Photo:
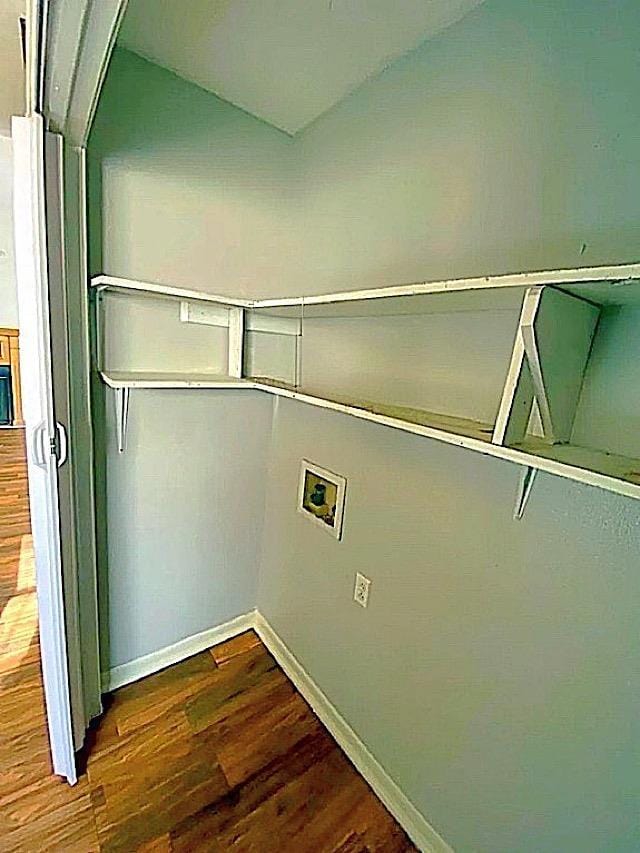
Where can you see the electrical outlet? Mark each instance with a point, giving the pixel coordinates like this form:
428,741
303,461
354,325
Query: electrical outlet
361,590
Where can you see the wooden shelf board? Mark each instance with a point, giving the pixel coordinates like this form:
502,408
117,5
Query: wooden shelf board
607,471
592,467
586,458
140,379
420,421
612,285
404,414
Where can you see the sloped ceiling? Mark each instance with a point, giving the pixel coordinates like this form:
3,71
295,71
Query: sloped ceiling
285,61
11,65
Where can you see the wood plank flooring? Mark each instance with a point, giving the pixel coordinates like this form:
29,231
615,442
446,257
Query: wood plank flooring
218,753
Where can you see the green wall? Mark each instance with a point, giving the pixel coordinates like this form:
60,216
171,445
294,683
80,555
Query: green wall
495,671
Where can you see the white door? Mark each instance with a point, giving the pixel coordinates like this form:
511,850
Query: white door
45,437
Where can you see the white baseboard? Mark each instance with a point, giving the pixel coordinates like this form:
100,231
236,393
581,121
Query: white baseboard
423,835
118,676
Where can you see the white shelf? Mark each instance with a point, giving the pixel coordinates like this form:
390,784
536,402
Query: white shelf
110,282
603,286
599,281
585,277
589,461
421,421
413,304
122,379
595,468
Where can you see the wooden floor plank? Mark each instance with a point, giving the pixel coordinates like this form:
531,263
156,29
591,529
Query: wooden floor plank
224,652
217,753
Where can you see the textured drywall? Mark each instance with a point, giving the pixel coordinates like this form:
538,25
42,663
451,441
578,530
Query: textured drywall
184,510
608,416
147,334
452,363
194,191
183,189
495,672
507,143
180,511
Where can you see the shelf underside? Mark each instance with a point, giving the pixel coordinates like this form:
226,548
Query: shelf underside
608,471
143,379
465,427
624,468
609,285
407,305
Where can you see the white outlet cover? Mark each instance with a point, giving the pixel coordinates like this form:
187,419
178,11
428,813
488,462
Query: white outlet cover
361,590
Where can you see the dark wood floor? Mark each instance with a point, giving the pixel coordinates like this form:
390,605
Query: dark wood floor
216,753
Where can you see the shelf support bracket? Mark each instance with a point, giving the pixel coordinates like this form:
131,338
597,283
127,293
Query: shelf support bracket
236,342
122,416
527,477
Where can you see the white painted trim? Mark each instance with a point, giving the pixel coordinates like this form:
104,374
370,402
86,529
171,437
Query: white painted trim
81,39
235,344
37,398
93,702
517,395
271,325
81,35
133,379
64,37
617,272
139,668
212,315
415,825
520,279
110,282
510,454
557,342
36,18
520,456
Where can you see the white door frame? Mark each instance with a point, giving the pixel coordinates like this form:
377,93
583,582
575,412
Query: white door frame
80,37
44,437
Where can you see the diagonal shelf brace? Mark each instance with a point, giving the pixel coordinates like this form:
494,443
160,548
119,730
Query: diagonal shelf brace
557,341
548,363
527,478
122,416
519,392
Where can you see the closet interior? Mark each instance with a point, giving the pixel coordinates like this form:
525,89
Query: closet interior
427,284
507,365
